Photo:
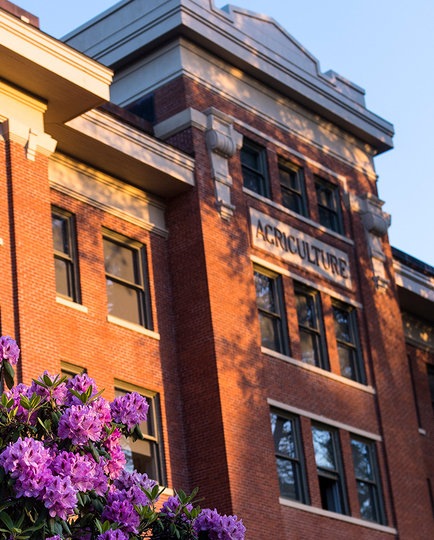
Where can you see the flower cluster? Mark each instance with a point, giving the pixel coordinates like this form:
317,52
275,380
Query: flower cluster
220,527
9,350
131,409
62,468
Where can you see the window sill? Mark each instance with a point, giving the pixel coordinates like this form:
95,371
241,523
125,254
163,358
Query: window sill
133,326
318,370
71,304
422,431
334,515
298,216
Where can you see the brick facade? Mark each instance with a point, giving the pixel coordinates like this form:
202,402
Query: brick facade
203,356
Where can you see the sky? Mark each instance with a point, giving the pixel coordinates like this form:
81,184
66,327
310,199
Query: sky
384,46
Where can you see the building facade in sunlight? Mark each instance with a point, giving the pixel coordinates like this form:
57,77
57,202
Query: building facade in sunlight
189,209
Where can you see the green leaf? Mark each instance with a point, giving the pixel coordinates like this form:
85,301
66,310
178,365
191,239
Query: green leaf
10,403
138,432
97,504
24,402
4,400
7,520
181,496
47,380
94,452
99,526
106,526
74,393
40,383
9,374
65,527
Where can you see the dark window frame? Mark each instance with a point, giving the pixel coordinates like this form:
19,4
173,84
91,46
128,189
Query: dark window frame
157,439
141,274
430,373
291,168
354,346
376,482
319,331
301,484
71,258
336,212
264,184
337,475
280,317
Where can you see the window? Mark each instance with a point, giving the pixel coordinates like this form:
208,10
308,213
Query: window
254,168
325,443
65,263
290,467
366,471
126,280
292,187
313,350
430,370
270,311
146,456
328,205
347,342
70,370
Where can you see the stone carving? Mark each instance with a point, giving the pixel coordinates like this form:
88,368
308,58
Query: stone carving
222,142
376,223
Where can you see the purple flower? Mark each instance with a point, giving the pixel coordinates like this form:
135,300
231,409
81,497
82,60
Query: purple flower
57,537
121,512
15,393
60,497
129,486
219,527
171,506
79,383
59,393
112,535
9,350
85,474
102,409
130,409
117,462
80,423
27,460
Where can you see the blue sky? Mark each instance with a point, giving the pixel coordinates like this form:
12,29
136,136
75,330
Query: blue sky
384,46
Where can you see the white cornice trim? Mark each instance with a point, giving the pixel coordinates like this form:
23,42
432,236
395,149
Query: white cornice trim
340,517
324,420
306,220
55,55
136,144
33,140
414,281
179,122
74,190
70,304
312,284
318,371
132,326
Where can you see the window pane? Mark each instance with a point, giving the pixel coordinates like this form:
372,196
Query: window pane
60,234
63,278
140,455
328,219
305,306
253,181
282,430
250,157
342,324
287,483
289,179
362,460
346,362
324,450
326,196
269,332
123,302
367,501
291,200
330,495
119,261
309,349
264,292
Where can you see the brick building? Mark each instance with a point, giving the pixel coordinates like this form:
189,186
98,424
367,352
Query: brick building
189,208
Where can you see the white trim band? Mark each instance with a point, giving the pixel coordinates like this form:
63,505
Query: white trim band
334,515
133,326
70,304
324,420
296,277
319,371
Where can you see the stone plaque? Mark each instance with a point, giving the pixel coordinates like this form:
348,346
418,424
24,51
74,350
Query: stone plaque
299,248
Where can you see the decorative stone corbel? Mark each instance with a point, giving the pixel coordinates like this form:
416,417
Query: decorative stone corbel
222,142
33,141
376,223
